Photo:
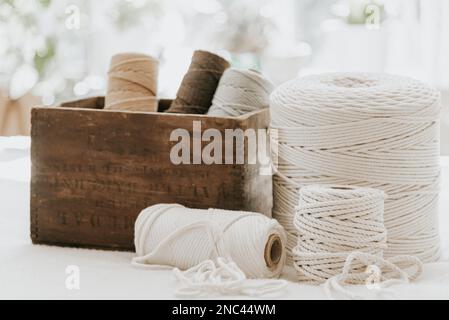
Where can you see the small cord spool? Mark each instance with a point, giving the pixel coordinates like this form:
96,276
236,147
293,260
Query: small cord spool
179,237
198,86
332,222
240,92
132,83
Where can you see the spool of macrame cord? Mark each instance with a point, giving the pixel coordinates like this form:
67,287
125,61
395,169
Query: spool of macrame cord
212,251
132,83
240,92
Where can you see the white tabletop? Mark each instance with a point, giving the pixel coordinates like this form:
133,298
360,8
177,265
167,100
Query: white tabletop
30,271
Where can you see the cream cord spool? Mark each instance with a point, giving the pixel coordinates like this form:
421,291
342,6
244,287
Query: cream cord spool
132,83
199,84
340,234
370,130
219,249
240,92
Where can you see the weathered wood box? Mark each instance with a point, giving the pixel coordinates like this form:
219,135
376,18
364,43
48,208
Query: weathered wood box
94,170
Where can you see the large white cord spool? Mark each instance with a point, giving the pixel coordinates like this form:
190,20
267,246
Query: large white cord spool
369,130
175,236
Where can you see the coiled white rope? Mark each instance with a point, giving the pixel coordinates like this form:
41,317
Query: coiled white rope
240,92
219,249
132,83
369,130
341,235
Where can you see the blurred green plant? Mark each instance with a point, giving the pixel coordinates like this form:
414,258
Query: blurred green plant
44,57
365,11
23,44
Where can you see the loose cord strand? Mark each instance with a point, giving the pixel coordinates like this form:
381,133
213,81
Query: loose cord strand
341,241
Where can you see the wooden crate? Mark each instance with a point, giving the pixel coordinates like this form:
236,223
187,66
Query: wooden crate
94,170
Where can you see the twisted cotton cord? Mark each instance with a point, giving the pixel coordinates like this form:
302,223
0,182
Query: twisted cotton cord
370,130
240,92
132,83
389,273
177,237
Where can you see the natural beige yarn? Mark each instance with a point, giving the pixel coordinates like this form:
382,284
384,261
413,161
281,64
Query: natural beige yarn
332,222
132,83
240,92
370,130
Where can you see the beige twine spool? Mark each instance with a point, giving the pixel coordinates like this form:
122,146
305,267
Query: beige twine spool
341,240
132,83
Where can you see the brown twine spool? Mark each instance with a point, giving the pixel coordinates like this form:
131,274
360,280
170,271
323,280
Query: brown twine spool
273,251
132,83
199,83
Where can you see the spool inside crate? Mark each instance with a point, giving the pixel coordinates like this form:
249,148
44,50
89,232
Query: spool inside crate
98,103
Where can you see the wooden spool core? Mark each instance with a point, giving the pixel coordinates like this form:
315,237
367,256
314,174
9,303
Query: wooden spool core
273,251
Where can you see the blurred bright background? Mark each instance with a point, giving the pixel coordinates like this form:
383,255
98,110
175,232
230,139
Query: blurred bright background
51,51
